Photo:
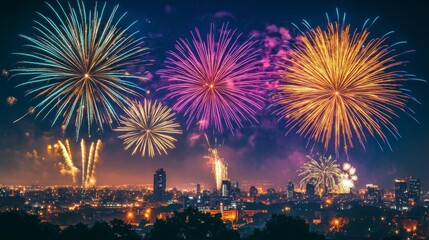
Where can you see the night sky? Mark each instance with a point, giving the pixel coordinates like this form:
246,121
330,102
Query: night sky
257,152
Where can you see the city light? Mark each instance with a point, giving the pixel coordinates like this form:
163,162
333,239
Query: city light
207,120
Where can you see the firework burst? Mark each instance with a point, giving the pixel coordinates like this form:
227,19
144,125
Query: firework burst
323,173
11,100
347,178
215,81
149,128
77,65
341,85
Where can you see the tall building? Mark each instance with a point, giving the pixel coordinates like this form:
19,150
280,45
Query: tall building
401,194
236,185
374,194
290,190
159,184
198,189
189,202
235,191
253,192
310,191
414,190
225,190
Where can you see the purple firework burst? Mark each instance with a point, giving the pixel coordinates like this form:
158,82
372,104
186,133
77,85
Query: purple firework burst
215,82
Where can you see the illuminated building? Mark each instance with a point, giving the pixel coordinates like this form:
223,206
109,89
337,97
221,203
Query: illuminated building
374,194
310,191
401,194
225,190
290,190
218,202
253,192
414,190
165,215
190,202
198,190
226,215
235,191
159,184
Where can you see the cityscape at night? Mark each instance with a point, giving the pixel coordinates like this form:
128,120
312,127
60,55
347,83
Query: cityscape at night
221,120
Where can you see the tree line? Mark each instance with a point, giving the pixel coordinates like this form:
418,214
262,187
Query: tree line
190,224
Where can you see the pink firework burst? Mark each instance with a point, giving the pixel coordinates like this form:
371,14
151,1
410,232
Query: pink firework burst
215,82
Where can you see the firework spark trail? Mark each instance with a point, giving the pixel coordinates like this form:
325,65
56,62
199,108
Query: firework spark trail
90,164
214,82
219,168
30,110
77,65
89,161
83,155
68,148
149,128
340,84
67,156
91,179
323,173
218,165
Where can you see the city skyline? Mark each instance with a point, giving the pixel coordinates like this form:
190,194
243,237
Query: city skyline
257,152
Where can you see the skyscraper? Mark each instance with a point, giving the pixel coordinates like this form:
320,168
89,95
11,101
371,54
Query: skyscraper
159,184
414,190
198,189
225,190
310,191
374,194
290,190
401,194
235,191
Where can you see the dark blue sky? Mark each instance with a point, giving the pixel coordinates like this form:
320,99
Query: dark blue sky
255,152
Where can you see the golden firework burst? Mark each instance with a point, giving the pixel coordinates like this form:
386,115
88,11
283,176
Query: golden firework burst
149,128
340,84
